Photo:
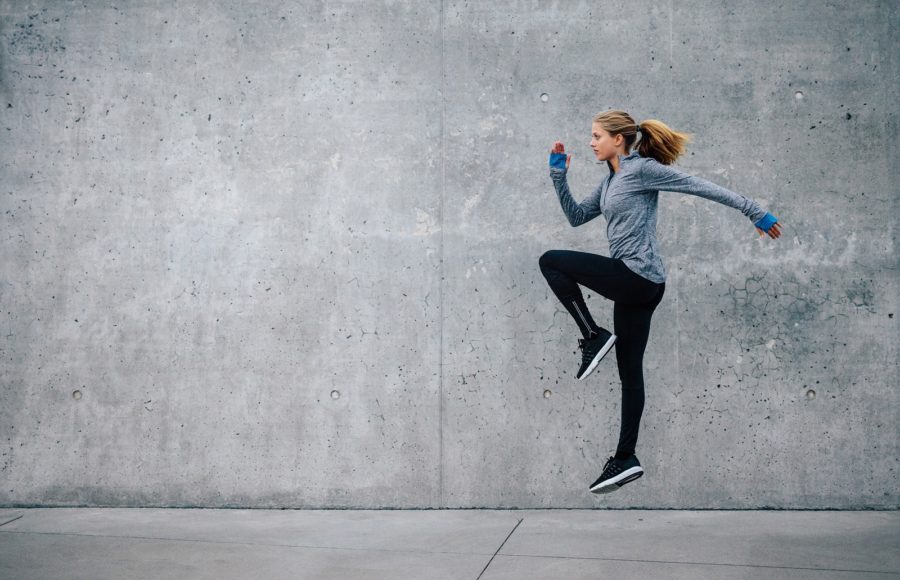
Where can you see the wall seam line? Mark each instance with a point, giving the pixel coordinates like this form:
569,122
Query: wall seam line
441,282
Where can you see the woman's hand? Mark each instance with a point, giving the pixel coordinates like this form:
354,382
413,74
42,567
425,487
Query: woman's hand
559,149
774,231
768,224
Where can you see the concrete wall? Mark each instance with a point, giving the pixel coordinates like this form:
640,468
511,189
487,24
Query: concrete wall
286,254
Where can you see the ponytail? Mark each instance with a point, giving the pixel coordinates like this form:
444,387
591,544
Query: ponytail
660,142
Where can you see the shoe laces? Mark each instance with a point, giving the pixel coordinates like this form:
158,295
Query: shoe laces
588,348
611,466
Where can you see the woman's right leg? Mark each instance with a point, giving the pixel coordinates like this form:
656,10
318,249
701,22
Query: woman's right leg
632,325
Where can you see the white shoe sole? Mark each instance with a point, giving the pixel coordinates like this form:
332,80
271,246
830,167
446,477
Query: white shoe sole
618,481
609,344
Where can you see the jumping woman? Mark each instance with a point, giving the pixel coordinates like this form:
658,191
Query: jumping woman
634,276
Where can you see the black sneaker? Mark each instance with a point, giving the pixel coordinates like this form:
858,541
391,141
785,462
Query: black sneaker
592,350
616,473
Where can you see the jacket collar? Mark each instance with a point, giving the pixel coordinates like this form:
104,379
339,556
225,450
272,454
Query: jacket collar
631,155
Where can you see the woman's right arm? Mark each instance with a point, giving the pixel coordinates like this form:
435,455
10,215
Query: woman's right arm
577,213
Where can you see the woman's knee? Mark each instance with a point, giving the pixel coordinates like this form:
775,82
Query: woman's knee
632,376
548,259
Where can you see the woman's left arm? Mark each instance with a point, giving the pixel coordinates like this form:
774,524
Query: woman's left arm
657,176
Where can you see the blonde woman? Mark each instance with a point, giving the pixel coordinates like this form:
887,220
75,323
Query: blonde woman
634,276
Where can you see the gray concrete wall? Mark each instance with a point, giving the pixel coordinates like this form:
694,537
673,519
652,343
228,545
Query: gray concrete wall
286,254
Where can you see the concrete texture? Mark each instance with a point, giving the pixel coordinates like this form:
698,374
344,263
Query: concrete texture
95,543
286,254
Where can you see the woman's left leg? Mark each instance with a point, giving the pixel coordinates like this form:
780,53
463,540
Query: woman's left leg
632,326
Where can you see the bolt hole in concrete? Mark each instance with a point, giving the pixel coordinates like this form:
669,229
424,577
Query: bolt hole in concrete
547,394
810,394
798,95
545,97
335,395
76,395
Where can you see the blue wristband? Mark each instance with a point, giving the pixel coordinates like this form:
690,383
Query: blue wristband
766,222
558,160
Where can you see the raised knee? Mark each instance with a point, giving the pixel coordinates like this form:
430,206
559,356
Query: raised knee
546,259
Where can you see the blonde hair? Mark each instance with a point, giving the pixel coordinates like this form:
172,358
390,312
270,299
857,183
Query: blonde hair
658,140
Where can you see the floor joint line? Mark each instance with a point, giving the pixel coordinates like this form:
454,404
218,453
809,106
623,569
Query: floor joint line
500,548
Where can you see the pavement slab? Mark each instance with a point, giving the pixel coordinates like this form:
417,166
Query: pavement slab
125,543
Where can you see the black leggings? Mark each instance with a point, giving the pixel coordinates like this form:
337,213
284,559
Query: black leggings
635,299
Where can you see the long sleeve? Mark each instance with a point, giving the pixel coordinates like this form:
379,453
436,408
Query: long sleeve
657,176
577,213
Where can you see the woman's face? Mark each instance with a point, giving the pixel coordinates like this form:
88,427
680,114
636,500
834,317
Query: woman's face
603,144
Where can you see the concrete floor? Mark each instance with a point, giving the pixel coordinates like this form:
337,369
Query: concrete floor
121,543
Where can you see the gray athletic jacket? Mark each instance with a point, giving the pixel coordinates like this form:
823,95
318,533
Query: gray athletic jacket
628,199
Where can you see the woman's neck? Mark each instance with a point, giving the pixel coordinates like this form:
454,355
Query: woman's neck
614,162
